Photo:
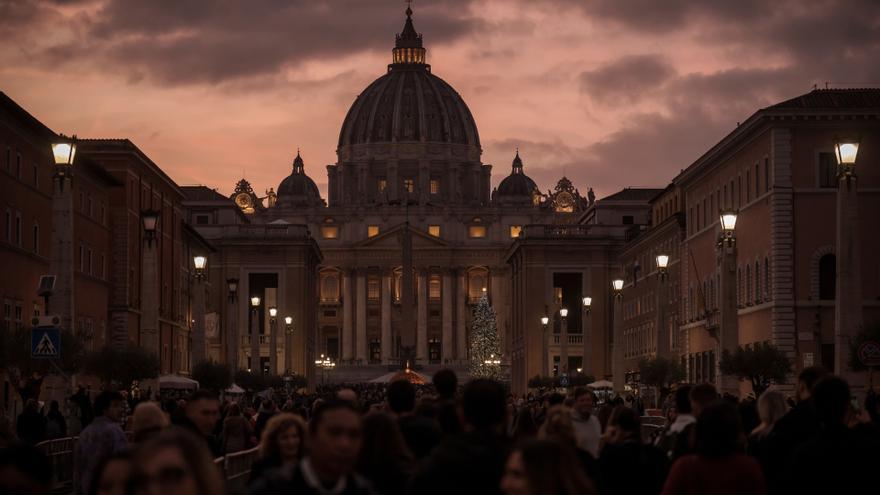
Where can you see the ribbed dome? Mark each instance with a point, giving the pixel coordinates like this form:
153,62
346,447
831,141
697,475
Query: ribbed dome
517,183
298,189
409,103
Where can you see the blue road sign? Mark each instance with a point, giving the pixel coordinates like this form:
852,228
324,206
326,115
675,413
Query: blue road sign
45,342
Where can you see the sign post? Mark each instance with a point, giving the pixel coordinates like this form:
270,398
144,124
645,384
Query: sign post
46,338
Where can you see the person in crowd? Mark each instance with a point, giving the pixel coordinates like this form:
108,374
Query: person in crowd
237,430
31,425
538,467
385,459
56,425
147,420
700,397
112,475
175,462
7,430
348,394
84,406
771,408
718,467
24,470
476,455
524,426
446,384
559,427
421,434
683,418
282,444
334,438
851,455
267,409
102,438
201,414
628,465
586,425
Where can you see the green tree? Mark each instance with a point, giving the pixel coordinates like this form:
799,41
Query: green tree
213,376
660,373
762,365
868,334
485,344
121,367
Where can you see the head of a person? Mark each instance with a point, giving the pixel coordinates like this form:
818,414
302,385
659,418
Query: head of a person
383,443
483,404
284,437
203,409
112,475
558,426
267,405
623,424
555,399
525,426
347,394
807,379
24,469
719,431
234,410
445,382
335,437
831,396
683,399
583,401
109,404
544,466
148,419
771,407
401,397
701,396
175,462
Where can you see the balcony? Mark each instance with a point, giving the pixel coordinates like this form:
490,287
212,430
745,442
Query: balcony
572,339
555,232
246,339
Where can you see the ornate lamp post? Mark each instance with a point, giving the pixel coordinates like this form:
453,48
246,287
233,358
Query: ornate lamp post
232,340
61,265
563,342
324,363
288,344
273,340
848,292
545,320
617,367
198,351
728,335
586,306
255,335
150,284
662,332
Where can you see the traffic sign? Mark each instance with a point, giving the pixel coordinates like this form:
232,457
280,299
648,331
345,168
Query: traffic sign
46,342
869,353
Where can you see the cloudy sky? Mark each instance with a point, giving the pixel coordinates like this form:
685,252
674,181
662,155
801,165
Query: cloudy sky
611,93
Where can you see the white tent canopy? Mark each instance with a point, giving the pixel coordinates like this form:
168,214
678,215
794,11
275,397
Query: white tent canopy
601,384
177,382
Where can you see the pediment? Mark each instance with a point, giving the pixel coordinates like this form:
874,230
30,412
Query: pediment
391,239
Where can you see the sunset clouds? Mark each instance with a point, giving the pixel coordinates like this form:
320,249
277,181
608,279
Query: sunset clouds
610,92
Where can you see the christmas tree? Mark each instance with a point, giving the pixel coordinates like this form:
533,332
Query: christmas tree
485,345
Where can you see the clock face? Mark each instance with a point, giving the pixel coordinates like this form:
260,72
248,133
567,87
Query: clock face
243,200
564,202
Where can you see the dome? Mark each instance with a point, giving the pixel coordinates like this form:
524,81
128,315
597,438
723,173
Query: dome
409,103
298,189
517,185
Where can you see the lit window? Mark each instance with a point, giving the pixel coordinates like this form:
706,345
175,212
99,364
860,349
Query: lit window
477,231
372,230
435,186
434,230
373,285
434,287
408,185
515,231
382,185
330,232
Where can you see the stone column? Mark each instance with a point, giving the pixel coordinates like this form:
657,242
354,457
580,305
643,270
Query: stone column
361,340
461,318
447,298
848,304
386,319
422,325
61,265
346,315
198,335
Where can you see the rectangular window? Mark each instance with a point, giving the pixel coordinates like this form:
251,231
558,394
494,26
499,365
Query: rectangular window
757,180
827,170
18,166
434,230
628,219
36,177
435,186
515,231
477,231
202,219
18,313
373,286
8,226
36,239
372,230
18,229
330,232
103,266
434,288
382,185
89,262
82,258
766,174
408,185
91,210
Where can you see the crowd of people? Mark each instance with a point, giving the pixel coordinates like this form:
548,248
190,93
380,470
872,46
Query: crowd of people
402,438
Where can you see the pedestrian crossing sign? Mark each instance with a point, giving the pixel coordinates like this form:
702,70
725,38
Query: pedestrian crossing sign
45,342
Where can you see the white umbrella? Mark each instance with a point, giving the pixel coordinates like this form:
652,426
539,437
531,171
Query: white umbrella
177,382
601,384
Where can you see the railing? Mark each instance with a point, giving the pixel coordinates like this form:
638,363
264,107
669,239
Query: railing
555,231
572,339
237,465
246,339
60,455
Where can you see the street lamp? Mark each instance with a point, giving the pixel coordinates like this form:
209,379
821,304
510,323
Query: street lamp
273,340
563,341
728,226
150,222
198,341
61,262
662,301
63,152
288,343
232,286
255,301
255,334
273,311
588,302
846,153
848,317
662,265
617,286
727,336
586,331
617,364
199,263
545,320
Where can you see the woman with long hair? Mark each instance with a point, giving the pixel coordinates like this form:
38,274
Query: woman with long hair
283,443
175,462
237,430
538,467
385,459
147,421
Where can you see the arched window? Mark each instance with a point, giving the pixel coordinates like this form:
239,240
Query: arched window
828,277
330,287
477,280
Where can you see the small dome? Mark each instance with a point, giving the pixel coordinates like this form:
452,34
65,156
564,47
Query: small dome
516,187
298,189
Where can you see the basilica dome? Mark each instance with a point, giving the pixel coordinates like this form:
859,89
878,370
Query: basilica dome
516,187
298,189
409,103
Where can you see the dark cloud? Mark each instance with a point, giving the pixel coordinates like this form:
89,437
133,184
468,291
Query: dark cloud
627,79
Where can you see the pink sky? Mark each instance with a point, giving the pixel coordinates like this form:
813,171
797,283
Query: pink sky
611,93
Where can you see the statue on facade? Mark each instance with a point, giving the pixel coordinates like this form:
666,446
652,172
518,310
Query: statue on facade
271,197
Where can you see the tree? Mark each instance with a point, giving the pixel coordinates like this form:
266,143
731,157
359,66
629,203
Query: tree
212,376
485,344
660,373
762,365
121,367
868,334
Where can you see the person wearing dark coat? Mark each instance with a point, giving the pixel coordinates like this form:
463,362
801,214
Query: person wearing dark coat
421,434
629,466
31,425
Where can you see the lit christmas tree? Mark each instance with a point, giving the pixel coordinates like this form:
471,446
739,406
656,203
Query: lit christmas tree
485,345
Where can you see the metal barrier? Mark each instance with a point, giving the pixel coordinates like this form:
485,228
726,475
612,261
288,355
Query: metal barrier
238,464
60,455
